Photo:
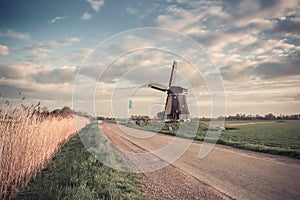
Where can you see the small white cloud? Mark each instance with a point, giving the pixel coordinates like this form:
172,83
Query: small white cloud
67,42
86,16
48,45
131,10
72,40
15,35
182,1
96,4
58,18
3,50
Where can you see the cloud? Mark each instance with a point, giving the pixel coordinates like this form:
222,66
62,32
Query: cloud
56,19
178,18
4,50
12,91
246,10
96,4
52,86
202,21
86,16
14,35
287,25
241,36
17,70
35,92
45,46
45,74
37,56
58,53
132,10
77,55
64,74
285,67
72,40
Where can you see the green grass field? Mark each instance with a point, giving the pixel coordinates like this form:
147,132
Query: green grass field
274,137
75,174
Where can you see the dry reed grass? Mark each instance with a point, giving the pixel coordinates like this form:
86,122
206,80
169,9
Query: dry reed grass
28,141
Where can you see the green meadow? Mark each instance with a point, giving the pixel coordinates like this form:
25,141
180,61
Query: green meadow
274,137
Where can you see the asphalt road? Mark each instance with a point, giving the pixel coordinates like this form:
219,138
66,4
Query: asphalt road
239,174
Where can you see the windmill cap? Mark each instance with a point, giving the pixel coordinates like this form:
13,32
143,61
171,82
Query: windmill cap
176,90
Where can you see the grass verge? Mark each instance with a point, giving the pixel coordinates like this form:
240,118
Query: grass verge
75,174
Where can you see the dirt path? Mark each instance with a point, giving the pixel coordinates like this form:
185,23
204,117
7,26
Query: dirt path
237,173
168,182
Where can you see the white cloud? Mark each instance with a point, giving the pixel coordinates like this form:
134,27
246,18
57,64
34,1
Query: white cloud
264,9
38,57
269,45
292,35
34,73
86,16
58,18
77,55
234,33
4,50
33,91
44,51
72,40
96,4
15,35
249,40
65,74
17,70
181,1
178,18
44,46
132,10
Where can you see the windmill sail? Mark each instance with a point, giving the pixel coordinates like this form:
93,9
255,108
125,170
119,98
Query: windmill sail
157,87
172,73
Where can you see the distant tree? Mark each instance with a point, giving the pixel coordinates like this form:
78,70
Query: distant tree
66,111
100,118
44,112
55,112
257,116
160,115
238,116
221,118
269,116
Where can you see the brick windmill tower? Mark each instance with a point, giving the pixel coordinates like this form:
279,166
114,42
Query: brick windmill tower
176,108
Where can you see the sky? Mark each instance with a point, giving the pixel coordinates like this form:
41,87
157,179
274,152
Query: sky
101,53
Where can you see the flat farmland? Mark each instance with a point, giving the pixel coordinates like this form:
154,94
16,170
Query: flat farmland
274,137
237,173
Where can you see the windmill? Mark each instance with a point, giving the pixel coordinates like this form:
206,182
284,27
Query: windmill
176,108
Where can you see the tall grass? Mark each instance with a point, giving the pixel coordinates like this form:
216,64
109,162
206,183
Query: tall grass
28,140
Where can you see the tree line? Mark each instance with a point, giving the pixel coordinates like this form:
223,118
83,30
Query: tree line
269,116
